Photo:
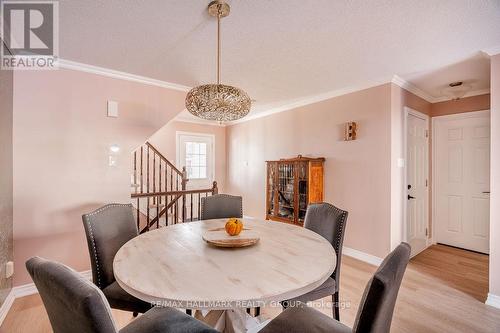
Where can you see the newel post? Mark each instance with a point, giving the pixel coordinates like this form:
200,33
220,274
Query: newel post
184,178
215,190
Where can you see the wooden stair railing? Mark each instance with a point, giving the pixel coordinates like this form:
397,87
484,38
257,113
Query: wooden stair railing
155,173
189,205
162,187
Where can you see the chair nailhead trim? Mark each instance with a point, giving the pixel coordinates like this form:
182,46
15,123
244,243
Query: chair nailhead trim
95,253
218,196
89,224
103,208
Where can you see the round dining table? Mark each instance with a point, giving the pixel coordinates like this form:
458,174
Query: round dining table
173,266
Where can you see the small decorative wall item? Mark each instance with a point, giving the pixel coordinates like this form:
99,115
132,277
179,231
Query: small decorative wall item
350,131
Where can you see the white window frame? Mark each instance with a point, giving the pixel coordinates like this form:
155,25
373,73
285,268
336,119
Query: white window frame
182,137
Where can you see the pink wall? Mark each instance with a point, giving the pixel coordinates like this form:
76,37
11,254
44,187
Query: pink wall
61,146
495,178
164,141
416,103
357,173
468,104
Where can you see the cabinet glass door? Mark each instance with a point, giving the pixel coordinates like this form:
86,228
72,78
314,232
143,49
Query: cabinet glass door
286,198
271,176
303,187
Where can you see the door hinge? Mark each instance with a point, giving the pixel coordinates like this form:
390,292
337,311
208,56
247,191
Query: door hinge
426,133
426,183
426,232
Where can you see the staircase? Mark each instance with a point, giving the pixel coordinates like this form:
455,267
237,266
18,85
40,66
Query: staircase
159,191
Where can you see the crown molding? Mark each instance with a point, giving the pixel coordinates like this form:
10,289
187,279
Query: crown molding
422,94
492,51
269,110
412,88
73,65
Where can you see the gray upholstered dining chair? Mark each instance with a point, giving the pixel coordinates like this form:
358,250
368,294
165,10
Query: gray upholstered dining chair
220,206
374,313
75,305
328,221
107,229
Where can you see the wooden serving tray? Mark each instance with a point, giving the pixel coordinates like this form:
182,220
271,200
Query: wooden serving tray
220,238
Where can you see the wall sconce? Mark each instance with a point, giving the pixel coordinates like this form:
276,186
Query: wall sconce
114,149
350,131
112,158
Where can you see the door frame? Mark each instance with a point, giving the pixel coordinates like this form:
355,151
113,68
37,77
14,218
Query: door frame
435,120
178,135
407,112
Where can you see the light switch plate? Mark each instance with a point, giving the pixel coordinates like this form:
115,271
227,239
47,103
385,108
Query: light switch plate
401,162
112,161
113,109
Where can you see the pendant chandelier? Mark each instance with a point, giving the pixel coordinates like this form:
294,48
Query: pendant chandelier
218,101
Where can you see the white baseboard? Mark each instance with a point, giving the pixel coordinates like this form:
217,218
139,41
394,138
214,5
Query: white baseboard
368,258
26,290
493,300
4,309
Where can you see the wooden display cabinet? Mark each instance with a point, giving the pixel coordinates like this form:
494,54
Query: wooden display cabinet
292,184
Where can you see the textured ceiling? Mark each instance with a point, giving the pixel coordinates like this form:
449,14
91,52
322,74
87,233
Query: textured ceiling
474,71
277,50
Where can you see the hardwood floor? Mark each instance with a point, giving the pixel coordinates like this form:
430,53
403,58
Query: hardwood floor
444,290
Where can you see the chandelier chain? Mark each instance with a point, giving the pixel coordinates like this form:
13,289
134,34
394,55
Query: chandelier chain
218,42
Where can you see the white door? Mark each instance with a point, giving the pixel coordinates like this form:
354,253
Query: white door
462,171
417,196
196,153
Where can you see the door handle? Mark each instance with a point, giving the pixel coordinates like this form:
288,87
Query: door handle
486,192
410,197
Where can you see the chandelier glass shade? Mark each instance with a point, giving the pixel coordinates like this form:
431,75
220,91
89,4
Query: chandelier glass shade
218,101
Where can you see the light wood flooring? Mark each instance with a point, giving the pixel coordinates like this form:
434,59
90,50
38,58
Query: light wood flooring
443,290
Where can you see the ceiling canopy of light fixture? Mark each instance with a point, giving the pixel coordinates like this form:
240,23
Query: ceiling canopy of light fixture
456,90
218,101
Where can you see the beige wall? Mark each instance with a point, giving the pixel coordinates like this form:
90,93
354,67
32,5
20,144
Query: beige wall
357,173
467,104
495,178
6,175
61,146
165,141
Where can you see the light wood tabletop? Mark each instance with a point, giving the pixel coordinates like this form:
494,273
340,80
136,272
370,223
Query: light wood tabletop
173,266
